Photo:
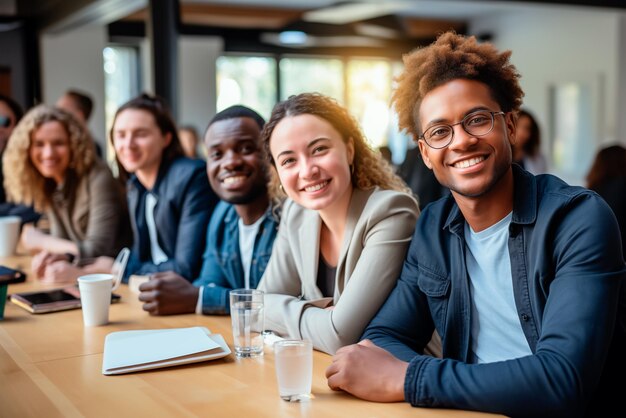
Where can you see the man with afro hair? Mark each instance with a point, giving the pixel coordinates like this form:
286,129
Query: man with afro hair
520,275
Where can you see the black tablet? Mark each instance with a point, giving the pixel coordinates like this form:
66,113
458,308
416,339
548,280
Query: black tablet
52,300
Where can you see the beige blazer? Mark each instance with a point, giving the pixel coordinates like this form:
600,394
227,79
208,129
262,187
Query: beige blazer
91,212
378,232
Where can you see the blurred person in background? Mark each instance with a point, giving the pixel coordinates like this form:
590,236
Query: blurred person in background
10,114
169,197
50,163
190,141
385,152
607,177
527,146
79,104
420,179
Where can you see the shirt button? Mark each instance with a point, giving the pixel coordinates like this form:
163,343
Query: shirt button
525,317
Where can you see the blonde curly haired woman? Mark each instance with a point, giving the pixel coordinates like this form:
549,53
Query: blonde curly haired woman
50,163
345,226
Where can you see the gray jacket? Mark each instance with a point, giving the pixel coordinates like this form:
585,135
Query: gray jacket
378,231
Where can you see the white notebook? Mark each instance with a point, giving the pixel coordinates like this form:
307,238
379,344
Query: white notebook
132,351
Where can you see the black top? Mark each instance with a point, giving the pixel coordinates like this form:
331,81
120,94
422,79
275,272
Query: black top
613,191
326,277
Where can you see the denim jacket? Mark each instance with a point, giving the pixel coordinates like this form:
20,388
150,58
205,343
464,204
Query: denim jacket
568,270
222,268
184,205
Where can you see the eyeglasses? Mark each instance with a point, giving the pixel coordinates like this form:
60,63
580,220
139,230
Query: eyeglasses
5,121
478,123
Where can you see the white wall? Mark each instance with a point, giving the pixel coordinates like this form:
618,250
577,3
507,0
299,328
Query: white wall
553,45
74,60
197,77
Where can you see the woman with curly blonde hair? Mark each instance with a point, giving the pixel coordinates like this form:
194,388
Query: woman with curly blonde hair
50,163
345,226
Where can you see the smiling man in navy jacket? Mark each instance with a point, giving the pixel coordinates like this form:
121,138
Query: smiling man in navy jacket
522,276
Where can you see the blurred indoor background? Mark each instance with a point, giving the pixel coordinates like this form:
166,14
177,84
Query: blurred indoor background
204,55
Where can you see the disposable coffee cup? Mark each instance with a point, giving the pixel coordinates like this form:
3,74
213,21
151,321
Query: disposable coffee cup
9,234
95,291
95,298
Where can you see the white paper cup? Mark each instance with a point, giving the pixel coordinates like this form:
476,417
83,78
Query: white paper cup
294,369
95,298
247,315
9,234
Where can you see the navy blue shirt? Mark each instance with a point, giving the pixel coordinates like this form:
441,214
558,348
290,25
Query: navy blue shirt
567,271
184,205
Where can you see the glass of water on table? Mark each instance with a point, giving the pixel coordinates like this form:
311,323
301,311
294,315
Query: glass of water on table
294,369
246,313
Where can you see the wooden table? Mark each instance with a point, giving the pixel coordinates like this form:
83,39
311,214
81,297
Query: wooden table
51,366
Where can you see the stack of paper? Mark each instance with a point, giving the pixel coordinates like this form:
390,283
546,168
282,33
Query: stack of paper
131,351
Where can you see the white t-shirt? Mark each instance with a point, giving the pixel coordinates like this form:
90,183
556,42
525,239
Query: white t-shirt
158,255
496,331
247,236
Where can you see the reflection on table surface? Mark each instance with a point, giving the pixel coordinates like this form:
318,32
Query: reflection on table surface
51,366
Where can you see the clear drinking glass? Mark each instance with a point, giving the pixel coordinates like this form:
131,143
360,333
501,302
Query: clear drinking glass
294,369
246,313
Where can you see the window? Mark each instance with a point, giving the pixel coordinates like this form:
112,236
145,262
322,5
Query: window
369,92
250,81
320,75
121,82
362,85
575,126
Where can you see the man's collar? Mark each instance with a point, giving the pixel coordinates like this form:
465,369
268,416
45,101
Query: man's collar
163,169
524,196
524,202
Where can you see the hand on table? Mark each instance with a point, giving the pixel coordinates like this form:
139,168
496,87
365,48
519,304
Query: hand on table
367,372
168,293
42,260
102,264
61,272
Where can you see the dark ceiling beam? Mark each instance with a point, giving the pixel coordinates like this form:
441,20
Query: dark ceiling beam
57,16
249,41
122,30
